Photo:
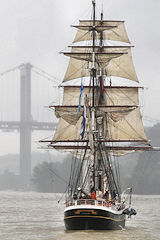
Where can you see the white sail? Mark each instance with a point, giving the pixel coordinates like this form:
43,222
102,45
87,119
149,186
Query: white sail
130,127
112,30
116,101
112,95
121,66
66,131
119,108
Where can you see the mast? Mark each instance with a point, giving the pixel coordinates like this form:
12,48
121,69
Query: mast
99,155
92,167
93,54
101,37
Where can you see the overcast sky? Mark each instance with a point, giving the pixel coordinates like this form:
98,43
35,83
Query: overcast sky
36,30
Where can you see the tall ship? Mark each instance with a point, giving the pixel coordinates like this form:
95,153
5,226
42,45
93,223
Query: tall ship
99,121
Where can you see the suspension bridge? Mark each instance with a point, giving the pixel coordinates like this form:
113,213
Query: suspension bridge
23,95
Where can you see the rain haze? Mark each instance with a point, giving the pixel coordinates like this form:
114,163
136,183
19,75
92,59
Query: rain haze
34,181
36,31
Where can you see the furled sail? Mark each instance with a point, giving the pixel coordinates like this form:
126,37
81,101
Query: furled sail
102,54
68,113
102,57
112,30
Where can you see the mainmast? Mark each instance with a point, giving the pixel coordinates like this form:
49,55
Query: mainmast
97,155
93,75
93,54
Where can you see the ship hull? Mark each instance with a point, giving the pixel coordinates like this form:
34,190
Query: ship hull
93,218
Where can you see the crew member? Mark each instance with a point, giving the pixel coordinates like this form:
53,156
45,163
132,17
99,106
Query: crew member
93,195
106,195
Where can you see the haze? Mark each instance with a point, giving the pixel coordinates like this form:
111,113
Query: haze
35,31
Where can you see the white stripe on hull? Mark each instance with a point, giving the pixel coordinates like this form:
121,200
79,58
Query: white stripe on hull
108,209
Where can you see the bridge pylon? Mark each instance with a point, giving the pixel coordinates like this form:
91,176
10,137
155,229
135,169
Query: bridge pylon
25,126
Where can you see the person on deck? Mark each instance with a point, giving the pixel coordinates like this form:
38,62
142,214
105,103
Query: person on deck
114,194
93,195
106,195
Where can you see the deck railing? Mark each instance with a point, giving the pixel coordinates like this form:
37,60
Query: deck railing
88,202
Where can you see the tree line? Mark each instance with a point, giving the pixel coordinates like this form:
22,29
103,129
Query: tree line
141,171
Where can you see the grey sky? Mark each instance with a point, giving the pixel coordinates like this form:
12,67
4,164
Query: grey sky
36,30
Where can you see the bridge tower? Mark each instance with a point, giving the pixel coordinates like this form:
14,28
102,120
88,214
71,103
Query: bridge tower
25,126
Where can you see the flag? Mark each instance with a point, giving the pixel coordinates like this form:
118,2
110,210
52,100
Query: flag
80,96
83,124
101,97
101,86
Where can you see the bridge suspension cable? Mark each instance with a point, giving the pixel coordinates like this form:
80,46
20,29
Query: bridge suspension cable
36,70
46,75
9,70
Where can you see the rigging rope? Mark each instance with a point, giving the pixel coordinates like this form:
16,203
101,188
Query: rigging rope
81,165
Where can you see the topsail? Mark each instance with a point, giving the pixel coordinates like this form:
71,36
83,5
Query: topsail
112,30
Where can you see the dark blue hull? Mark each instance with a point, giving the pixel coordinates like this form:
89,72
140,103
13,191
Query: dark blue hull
96,219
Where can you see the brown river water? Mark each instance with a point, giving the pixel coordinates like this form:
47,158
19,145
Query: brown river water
38,216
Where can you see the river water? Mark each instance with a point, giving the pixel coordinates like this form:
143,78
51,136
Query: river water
38,216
